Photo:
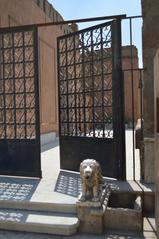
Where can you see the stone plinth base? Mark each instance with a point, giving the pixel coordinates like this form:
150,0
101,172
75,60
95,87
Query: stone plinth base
91,216
126,218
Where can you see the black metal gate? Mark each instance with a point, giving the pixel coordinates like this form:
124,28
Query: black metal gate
19,102
91,105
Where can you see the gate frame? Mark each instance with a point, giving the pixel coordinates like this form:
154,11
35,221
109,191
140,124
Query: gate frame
120,17
118,100
36,141
117,84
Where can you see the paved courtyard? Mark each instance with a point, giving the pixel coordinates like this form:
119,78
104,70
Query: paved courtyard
148,234
18,235
56,186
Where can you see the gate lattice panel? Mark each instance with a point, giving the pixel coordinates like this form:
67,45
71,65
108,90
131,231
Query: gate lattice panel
19,109
90,89
86,84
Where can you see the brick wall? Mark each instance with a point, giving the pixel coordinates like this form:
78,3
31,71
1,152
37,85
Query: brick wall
129,76
15,12
22,12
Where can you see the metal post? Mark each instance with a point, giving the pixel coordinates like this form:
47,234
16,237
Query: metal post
118,101
133,106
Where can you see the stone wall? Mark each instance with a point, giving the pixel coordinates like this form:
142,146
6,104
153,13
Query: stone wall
150,11
51,12
156,100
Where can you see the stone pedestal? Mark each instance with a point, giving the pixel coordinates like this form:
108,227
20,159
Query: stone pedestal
91,214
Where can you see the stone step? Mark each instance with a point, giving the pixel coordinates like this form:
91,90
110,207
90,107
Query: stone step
40,222
41,206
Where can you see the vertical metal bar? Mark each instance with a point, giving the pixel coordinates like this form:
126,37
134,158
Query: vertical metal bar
83,83
14,87
59,83
4,92
132,85
92,91
24,93
36,92
141,98
118,101
75,92
102,89
36,82
66,52
1,90
141,116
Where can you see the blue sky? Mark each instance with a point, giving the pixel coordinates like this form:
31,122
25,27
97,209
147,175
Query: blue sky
74,9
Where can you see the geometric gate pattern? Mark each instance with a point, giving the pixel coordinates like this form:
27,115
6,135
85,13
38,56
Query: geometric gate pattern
17,94
91,98
85,79
19,102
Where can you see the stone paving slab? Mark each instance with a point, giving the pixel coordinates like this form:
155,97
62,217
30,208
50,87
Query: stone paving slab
25,235
47,190
56,187
40,222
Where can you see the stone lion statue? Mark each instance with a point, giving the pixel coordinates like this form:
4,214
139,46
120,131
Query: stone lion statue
92,180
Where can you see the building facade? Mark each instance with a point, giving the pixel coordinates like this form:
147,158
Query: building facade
22,12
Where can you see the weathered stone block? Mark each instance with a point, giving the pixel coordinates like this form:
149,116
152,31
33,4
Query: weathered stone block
91,216
126,218
149,160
